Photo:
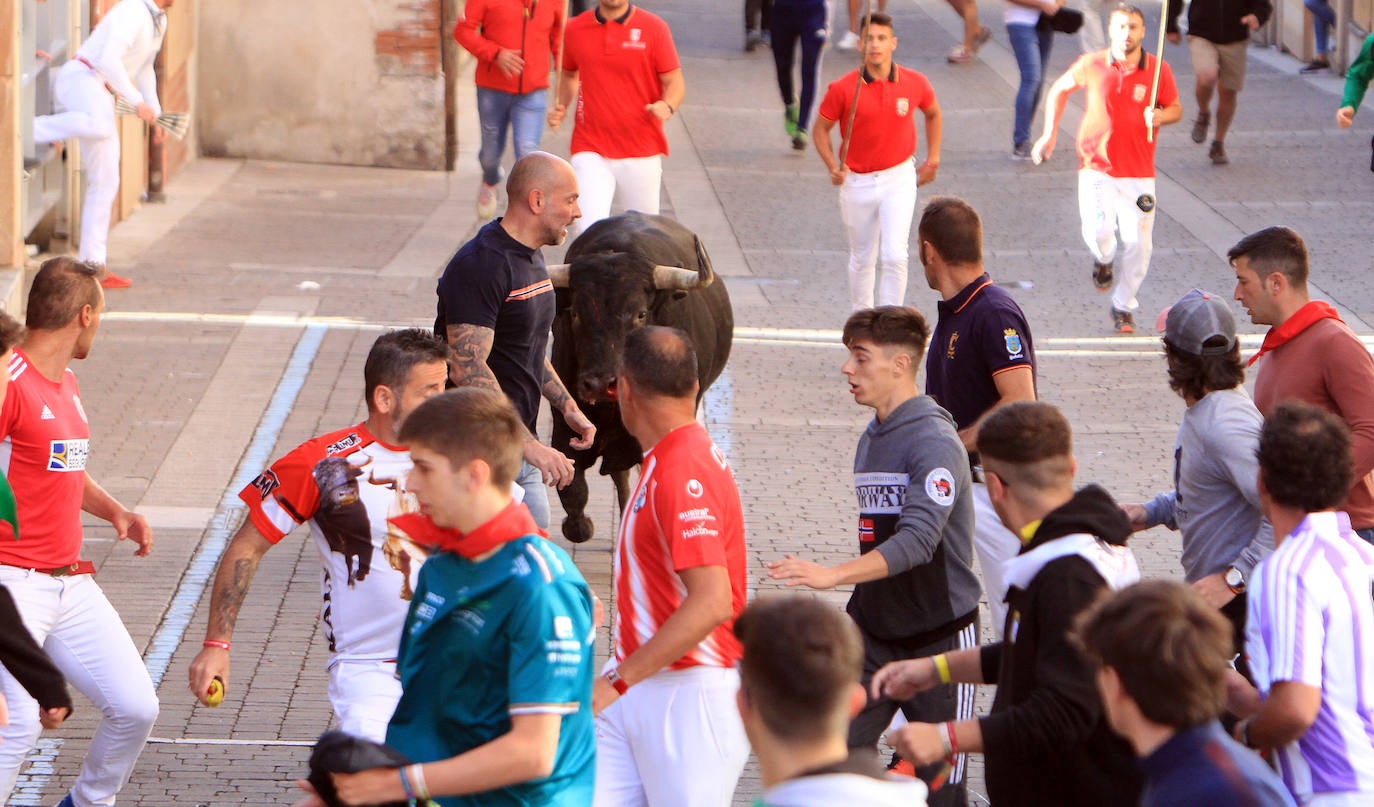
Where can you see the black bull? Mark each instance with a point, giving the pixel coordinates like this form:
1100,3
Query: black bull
620,276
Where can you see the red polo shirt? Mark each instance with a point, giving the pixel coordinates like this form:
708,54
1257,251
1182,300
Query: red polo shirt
884,130
1111,138
618,63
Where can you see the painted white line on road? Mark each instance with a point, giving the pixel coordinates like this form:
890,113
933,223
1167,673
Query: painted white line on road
220,741
203,564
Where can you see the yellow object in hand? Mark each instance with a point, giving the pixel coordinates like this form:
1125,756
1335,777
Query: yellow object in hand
215,695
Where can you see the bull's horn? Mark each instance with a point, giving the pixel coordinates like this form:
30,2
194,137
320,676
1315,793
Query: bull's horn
675,277
558,273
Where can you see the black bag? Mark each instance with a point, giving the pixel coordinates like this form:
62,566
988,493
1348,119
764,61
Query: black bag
1066,20
337,752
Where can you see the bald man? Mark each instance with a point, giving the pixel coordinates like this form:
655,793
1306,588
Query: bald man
495,309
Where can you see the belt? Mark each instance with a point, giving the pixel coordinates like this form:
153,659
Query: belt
79,567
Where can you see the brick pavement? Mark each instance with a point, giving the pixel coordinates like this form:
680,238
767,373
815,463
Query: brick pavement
175,401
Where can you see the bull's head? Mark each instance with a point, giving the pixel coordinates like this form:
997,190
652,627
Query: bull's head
611,294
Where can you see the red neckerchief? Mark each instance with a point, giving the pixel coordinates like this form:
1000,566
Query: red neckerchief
512,522
1302,319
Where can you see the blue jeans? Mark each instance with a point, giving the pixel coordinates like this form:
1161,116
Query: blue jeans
1031,45
499,111
795,23
1323,20
531,481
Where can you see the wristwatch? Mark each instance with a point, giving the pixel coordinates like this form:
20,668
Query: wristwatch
1235,580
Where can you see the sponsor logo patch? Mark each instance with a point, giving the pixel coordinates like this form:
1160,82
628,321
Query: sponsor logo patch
68,455
1138,93
47,414
563,627
695,489
266,483
903,107
348,442
940,487
697,514
1012,340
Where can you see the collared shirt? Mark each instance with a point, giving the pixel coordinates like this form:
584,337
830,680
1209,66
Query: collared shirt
1311,621
1112,136
883,133
619,63
122,49
1202,766
981,333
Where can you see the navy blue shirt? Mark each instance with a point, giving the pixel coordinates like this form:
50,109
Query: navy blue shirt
1202,767
497,282
981,332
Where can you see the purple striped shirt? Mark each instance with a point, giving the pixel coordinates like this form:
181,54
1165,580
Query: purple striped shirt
1311,621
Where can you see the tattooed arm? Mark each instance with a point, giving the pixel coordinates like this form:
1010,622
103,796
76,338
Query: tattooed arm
235,575
562,402
471,346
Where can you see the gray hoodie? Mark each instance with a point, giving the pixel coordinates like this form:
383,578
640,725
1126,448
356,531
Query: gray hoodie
915,492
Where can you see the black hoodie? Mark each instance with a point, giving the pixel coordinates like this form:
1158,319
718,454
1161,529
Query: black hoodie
1218,21
1046,741
26,661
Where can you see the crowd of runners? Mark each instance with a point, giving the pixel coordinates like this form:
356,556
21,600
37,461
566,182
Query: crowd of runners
462,663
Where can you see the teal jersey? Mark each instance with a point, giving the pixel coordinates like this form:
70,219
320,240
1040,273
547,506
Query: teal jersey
484,641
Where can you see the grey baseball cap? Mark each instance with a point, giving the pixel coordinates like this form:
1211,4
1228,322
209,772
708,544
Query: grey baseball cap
1197,318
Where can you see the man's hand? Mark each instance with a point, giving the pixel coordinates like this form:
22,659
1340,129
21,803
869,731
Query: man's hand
659,109
925,173
376,786
578,422
509,62
603,694
1150,118
146,114
554,117
901,680
134,527
48,718
312,798
1136,513
1214,590
1042,149
798,572
1345,116
919,743
210,663
1250,21
1242,699
837,174
555,468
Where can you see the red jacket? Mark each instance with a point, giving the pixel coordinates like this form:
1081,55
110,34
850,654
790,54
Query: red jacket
529,27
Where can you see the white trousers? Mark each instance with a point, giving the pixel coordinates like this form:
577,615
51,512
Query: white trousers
995,545
1111,218
634,181
877,210
74,622
364,695
86,111
674,740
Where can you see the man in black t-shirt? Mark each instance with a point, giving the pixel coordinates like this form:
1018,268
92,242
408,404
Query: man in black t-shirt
496,305
981,357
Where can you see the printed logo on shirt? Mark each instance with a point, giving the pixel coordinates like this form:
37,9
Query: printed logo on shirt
68,455
953,339
1138,93
881,493
865,530
80,410
634,42
1012,339
903,107
639,500
348,442
719,456
563,627
698,514
695,489
47,414
940,487
266,483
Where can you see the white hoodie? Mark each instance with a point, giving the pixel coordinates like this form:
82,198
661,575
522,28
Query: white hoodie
830,789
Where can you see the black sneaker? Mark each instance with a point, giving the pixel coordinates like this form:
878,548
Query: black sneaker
1102,276
1315,66
799,141
752,40
1122,321
1200,127
1217,154
1021,152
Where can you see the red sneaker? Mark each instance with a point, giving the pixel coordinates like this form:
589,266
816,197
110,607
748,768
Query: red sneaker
114,281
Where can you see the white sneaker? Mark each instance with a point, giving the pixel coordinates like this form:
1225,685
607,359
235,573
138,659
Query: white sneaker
850,41
486,202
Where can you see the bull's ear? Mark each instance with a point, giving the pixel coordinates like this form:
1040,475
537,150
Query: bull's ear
708,275
558,274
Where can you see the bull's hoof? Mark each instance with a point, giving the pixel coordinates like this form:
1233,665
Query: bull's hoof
578,530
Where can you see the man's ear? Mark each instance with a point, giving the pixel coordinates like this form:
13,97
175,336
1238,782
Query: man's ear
384,399
86,315
858,699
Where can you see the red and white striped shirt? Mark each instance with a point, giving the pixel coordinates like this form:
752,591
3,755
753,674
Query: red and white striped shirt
685,513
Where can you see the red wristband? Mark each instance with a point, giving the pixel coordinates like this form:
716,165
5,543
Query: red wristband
617,683
215,643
